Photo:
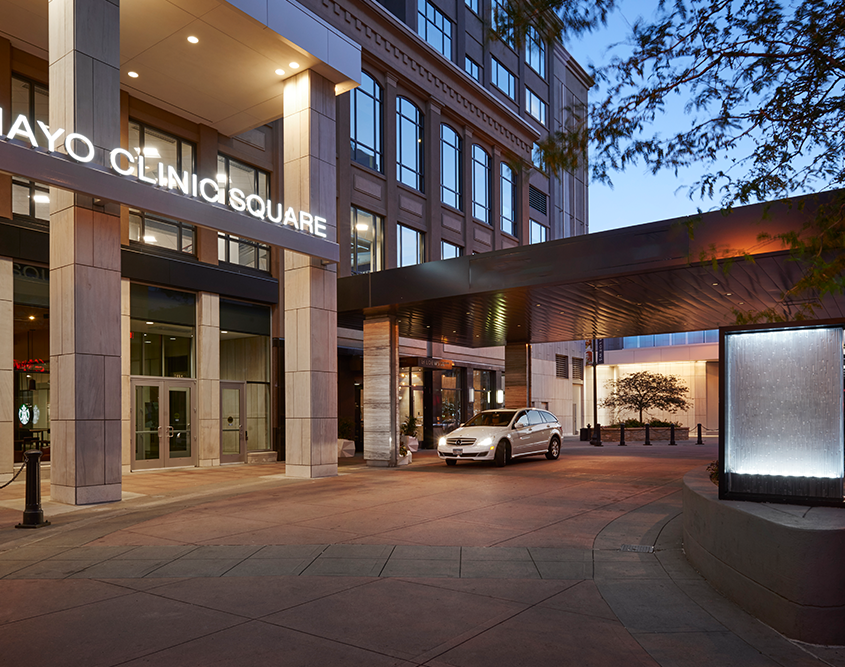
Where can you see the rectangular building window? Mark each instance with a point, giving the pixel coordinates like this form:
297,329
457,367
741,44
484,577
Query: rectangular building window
535,106
451,168
473,5
232,173
539,232
537,158
577,368
409,246
508,199
450,250
472,68
535,52
157,147
501,77
30,199
480,184
161,233
434,28
366,123
367,244
499,21
243,252
561,366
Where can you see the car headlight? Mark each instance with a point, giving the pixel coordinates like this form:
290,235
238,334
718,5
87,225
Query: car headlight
442,442
486,442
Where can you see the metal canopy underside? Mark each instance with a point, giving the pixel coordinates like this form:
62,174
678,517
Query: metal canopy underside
634,281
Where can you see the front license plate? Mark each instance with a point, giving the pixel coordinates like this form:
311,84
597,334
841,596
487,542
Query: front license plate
457,452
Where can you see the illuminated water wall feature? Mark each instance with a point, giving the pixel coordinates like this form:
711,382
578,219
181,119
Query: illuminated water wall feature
782,413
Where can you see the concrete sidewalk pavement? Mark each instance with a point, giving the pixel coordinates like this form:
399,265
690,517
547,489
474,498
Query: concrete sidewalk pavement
539,563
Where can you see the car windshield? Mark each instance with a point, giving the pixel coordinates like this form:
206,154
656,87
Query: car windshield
492,418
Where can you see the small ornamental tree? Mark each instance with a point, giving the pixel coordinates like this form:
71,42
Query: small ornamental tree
644,390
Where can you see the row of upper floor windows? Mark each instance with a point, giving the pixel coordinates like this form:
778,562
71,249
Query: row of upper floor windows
367,147
438,30
31,200
368,249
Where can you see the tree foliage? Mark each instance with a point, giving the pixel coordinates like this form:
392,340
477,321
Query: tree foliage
762,84
644,390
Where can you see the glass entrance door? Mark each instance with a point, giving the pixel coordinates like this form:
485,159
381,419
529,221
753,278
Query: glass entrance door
232,414
162,423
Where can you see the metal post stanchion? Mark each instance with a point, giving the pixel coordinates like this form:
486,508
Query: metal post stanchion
622,436
596,441
672,435
699,441
33,516
647,436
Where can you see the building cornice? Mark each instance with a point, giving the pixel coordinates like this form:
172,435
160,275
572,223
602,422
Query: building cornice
384,37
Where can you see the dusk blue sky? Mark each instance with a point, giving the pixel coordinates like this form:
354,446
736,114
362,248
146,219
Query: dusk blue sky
637,196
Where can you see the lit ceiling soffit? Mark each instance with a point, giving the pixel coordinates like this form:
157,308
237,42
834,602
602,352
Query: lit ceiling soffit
227,78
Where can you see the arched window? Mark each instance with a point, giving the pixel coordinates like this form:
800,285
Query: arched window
480,184
366,123
451,171
409,144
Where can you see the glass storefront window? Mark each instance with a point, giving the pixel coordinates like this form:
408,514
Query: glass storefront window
31,352
411,397
245,358
162,328
446,404
483,391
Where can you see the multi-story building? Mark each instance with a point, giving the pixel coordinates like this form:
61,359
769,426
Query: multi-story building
174,304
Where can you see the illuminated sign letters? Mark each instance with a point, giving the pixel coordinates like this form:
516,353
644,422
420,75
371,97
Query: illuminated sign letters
81,149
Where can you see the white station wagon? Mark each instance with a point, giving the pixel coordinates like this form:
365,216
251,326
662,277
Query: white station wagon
500,435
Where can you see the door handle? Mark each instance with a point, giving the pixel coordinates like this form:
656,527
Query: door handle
246,436
169,431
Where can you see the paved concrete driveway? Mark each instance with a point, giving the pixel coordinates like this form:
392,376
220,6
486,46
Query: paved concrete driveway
422,565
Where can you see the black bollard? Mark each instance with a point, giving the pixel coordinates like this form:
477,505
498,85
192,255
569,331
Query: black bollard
33,516
622,436
699,441
596,440
647,436
672,435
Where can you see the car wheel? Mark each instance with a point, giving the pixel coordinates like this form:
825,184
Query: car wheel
500,458
451,462
554,449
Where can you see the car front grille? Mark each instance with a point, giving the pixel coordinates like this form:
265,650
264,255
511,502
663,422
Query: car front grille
460,442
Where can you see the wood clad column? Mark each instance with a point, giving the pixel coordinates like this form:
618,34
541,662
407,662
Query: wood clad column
7,362
85,305
381,392
310,289
517,375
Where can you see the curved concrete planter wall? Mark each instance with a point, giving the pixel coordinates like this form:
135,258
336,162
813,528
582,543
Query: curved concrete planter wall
781,563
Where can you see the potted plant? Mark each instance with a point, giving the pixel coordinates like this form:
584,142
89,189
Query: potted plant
408,434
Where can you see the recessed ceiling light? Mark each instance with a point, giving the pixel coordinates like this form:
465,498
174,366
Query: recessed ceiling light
133,75
294,65
193,40
32,317
150,322
280,72
728,293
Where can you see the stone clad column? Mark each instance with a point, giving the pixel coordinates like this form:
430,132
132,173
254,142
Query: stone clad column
85,291
381,392
517,375
208,378
7,362
310,288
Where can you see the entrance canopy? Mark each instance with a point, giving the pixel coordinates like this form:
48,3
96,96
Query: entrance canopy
640,280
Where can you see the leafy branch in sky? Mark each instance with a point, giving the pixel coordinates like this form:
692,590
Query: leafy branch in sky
763,86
